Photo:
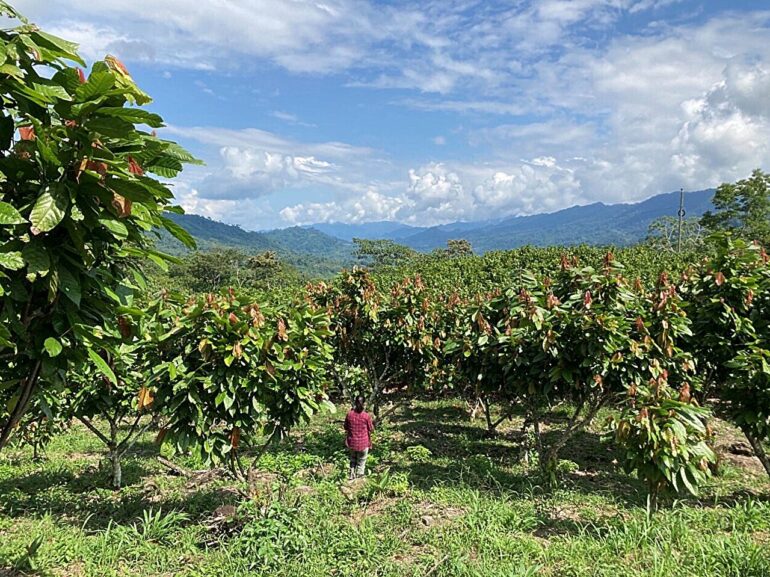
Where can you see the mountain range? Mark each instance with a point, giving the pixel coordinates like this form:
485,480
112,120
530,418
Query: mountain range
325,247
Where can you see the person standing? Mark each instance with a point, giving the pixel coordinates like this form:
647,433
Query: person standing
358,429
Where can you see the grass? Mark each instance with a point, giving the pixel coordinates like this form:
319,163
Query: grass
443,499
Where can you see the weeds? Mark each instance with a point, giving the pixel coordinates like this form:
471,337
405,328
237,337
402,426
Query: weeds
443,498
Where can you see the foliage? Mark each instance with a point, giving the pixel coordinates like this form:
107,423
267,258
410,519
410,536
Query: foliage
217,269
458,247
587,337
389,336
730,298
382,253
233,370
742,208
76,203
663,234
121,400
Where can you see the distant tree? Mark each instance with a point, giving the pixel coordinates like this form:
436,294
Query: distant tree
742,208
379,253
458,247
663,234
213,270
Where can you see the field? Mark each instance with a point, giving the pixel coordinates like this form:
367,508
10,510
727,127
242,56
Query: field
443,498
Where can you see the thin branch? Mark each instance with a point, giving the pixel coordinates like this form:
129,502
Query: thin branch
133,441
130,432
261,452
179,470
95,431
21,405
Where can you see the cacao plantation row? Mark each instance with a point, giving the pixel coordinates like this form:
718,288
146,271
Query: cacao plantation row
660,345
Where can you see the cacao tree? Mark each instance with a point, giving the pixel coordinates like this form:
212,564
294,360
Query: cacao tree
230,372
77,205
390,336
730,307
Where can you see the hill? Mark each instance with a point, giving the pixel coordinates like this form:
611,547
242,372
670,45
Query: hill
323,249
597,224
310,251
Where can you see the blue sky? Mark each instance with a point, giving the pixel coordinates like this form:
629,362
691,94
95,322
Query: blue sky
436,111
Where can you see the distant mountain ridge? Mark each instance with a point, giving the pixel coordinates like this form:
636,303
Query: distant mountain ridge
323,249
597,223
311,251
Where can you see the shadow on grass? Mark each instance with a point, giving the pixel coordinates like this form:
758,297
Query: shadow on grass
85,499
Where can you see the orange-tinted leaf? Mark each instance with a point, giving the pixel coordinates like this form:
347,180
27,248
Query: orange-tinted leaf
98,167
134,168
122,205
27,133
282,336
125,327
116,65
235,437
146,398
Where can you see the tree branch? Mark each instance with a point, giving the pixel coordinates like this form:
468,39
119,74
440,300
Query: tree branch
21,405
95,431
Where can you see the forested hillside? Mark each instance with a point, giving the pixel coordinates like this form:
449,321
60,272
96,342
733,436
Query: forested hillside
595,224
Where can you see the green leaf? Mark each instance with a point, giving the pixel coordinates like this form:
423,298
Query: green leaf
69,285
102,365
99,83
165,166
132,190
36,256
64,47
133,115
11,260
178,232
9,215
53,347
111,126
49,210
117,228
11,70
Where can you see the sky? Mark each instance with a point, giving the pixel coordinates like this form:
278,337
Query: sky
438,111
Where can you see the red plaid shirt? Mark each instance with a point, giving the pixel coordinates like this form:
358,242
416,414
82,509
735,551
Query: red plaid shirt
359,428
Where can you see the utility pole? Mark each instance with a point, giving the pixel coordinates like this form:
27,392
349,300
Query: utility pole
681,218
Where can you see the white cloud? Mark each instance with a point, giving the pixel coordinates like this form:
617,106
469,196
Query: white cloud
726,131
368,207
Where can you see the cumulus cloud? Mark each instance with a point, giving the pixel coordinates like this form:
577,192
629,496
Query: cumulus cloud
368,207
437,194
725,132
538,186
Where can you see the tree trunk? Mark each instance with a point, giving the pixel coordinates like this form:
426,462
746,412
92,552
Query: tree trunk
374,398
117,470
27,388
114,457
488,415
759,449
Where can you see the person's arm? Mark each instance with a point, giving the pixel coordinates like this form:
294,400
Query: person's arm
369,423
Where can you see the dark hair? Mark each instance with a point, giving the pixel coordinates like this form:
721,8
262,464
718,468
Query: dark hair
358,404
